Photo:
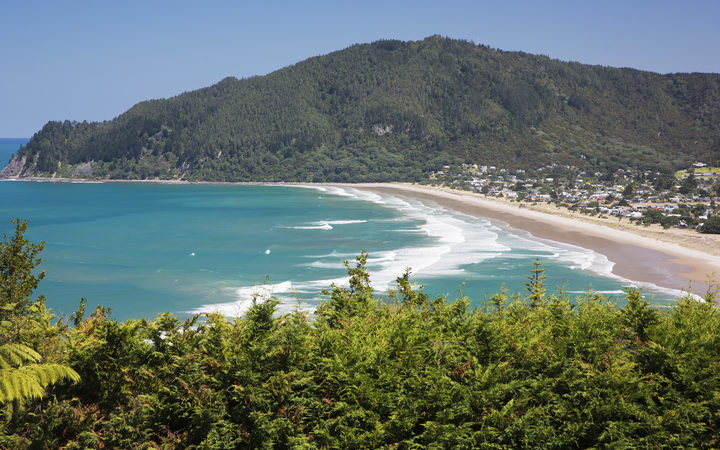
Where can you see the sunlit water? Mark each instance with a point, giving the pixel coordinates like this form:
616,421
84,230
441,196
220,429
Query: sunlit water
142,249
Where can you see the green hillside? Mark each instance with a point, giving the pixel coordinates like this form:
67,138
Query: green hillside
394,110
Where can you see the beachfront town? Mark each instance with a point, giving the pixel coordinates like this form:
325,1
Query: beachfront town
686,199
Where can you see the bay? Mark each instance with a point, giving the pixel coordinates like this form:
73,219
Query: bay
146,248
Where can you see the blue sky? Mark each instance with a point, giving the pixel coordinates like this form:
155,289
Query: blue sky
92,60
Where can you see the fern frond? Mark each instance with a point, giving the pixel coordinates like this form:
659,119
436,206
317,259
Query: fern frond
20,381
47,374
16,384
17,355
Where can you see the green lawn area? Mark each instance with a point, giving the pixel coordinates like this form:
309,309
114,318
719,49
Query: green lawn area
698,172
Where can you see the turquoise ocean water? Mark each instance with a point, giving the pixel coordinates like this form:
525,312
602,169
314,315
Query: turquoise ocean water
142,249
8,146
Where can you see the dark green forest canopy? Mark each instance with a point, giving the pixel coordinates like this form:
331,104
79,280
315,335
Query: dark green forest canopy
391,111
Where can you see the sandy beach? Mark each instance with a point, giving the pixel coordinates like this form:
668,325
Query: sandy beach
675,259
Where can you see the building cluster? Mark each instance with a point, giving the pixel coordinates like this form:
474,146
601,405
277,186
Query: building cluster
685,199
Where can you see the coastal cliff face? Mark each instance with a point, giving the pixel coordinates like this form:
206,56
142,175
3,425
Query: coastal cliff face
394,111
15,169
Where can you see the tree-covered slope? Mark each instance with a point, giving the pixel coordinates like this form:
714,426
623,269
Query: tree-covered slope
392,110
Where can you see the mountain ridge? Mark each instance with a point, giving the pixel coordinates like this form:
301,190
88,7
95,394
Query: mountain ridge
393,111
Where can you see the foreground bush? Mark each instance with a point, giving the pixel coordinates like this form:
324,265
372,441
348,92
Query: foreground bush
528,371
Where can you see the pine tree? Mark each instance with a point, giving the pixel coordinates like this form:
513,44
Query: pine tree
536,284
23,320
18,259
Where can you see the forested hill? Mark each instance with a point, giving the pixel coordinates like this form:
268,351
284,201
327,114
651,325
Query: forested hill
394,110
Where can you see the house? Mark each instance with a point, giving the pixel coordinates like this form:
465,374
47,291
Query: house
540,198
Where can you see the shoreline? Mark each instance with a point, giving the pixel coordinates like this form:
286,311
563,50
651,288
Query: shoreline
673,259
636,256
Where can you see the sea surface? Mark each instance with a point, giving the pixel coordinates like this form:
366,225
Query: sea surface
8,147
143,249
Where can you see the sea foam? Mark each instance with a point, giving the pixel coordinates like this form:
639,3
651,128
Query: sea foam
326,224
453,242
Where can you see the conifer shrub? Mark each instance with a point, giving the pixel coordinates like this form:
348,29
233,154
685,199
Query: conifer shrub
525,370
